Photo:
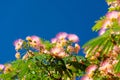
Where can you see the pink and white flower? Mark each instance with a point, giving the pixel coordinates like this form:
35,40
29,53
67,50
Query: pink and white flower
90,69
106,66
34,41
112,15
54,40
61,35
55,50
73,38
18,44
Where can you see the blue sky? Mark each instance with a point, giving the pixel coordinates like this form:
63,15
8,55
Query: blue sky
45,18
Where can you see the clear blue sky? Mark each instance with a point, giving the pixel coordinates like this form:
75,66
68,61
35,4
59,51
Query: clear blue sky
45,18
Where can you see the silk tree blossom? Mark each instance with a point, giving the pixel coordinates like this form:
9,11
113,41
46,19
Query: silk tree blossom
34,41
73,38
54,40
59,45
106,67
18,44
116,49
63,42
61,35
107,23
55,50
112,15
58,52
2,66
90,69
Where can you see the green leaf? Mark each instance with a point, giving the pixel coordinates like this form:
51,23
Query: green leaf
101,44
98,25
110,0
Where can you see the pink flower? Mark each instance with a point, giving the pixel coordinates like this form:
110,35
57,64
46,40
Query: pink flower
61,35
34,41
58,52
2,66
116,48
112,15
53,40
73,38
18,44
90,69
104,63
106,66
55,50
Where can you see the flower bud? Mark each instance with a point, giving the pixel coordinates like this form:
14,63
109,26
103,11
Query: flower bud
77,48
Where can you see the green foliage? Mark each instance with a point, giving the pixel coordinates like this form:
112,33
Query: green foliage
98,24
110,0
100,44
44,67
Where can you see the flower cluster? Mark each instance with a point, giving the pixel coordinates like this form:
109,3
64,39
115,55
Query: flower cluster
110,19
47,56
63,45
103,65
58,59
89,72
104,55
